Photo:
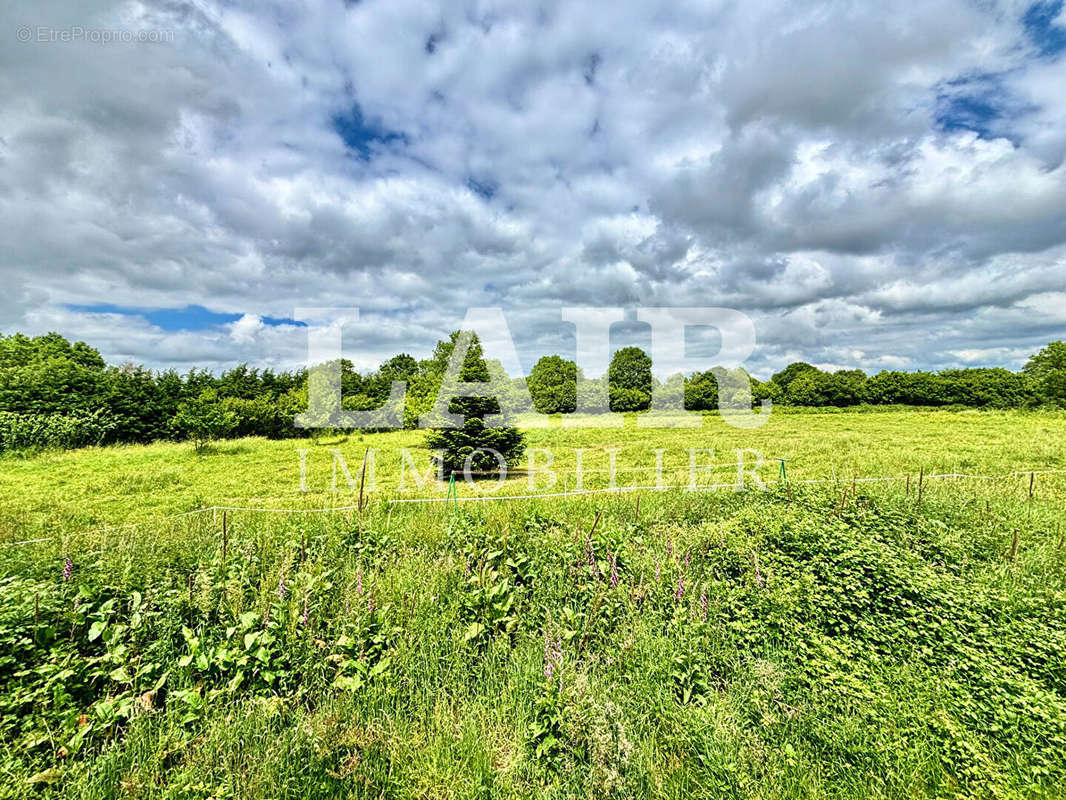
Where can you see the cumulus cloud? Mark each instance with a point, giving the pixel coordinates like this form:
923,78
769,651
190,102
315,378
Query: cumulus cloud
878,186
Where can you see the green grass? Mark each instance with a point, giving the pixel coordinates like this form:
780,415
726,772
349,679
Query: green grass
829,640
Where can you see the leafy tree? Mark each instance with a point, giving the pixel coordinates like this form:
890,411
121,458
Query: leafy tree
816,388
403,367
473,440
701,391
204,420
241,381
785,377
629,380
553,385
1046,372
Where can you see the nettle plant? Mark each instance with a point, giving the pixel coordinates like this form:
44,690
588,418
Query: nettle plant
77,661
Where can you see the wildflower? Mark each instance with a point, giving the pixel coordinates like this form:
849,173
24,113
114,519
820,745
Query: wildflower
656,570
669,546
758,575
590,553
68,568
553,655
680,586
370,602
359,580
688,555
703,605
281,587
614,570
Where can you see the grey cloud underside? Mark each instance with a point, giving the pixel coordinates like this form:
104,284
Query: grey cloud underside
798,162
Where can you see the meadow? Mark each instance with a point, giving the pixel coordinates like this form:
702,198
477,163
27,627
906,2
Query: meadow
845,638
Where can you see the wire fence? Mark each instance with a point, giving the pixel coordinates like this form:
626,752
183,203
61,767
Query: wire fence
487,498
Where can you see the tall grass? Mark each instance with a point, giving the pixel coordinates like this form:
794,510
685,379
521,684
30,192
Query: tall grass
833,640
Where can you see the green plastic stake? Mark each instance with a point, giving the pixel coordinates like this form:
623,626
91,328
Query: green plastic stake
781,476
453,492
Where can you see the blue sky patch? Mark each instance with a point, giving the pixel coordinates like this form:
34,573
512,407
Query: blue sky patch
978,103
485,189
189,318
1038,20
362,135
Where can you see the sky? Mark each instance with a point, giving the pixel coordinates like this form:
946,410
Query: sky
876,185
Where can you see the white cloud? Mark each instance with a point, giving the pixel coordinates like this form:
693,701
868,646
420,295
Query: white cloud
789,162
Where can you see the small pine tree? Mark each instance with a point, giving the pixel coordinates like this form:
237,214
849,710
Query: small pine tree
473,440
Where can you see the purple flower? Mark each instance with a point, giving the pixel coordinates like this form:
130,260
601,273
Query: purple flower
680,586
758,575
669,546
590,553
281,587
614,570
68,568
703,605
553,655
370,602
359,580
688,555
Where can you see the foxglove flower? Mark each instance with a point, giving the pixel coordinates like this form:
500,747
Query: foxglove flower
680,586
553,655
359,580
68,568
703,605
614,570
281,587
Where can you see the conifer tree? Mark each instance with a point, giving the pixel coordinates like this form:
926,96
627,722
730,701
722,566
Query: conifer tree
473,445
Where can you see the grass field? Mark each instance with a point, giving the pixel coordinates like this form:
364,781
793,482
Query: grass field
835,639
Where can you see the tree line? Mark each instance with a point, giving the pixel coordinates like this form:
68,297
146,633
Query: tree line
55,393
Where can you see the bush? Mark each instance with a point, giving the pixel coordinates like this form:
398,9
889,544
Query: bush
204,419
33,431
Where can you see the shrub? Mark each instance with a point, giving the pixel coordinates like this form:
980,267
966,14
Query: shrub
33,431
204,419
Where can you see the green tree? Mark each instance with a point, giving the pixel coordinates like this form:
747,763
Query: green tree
629,380
553,385
794,370
1047,374
472,442
203,420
